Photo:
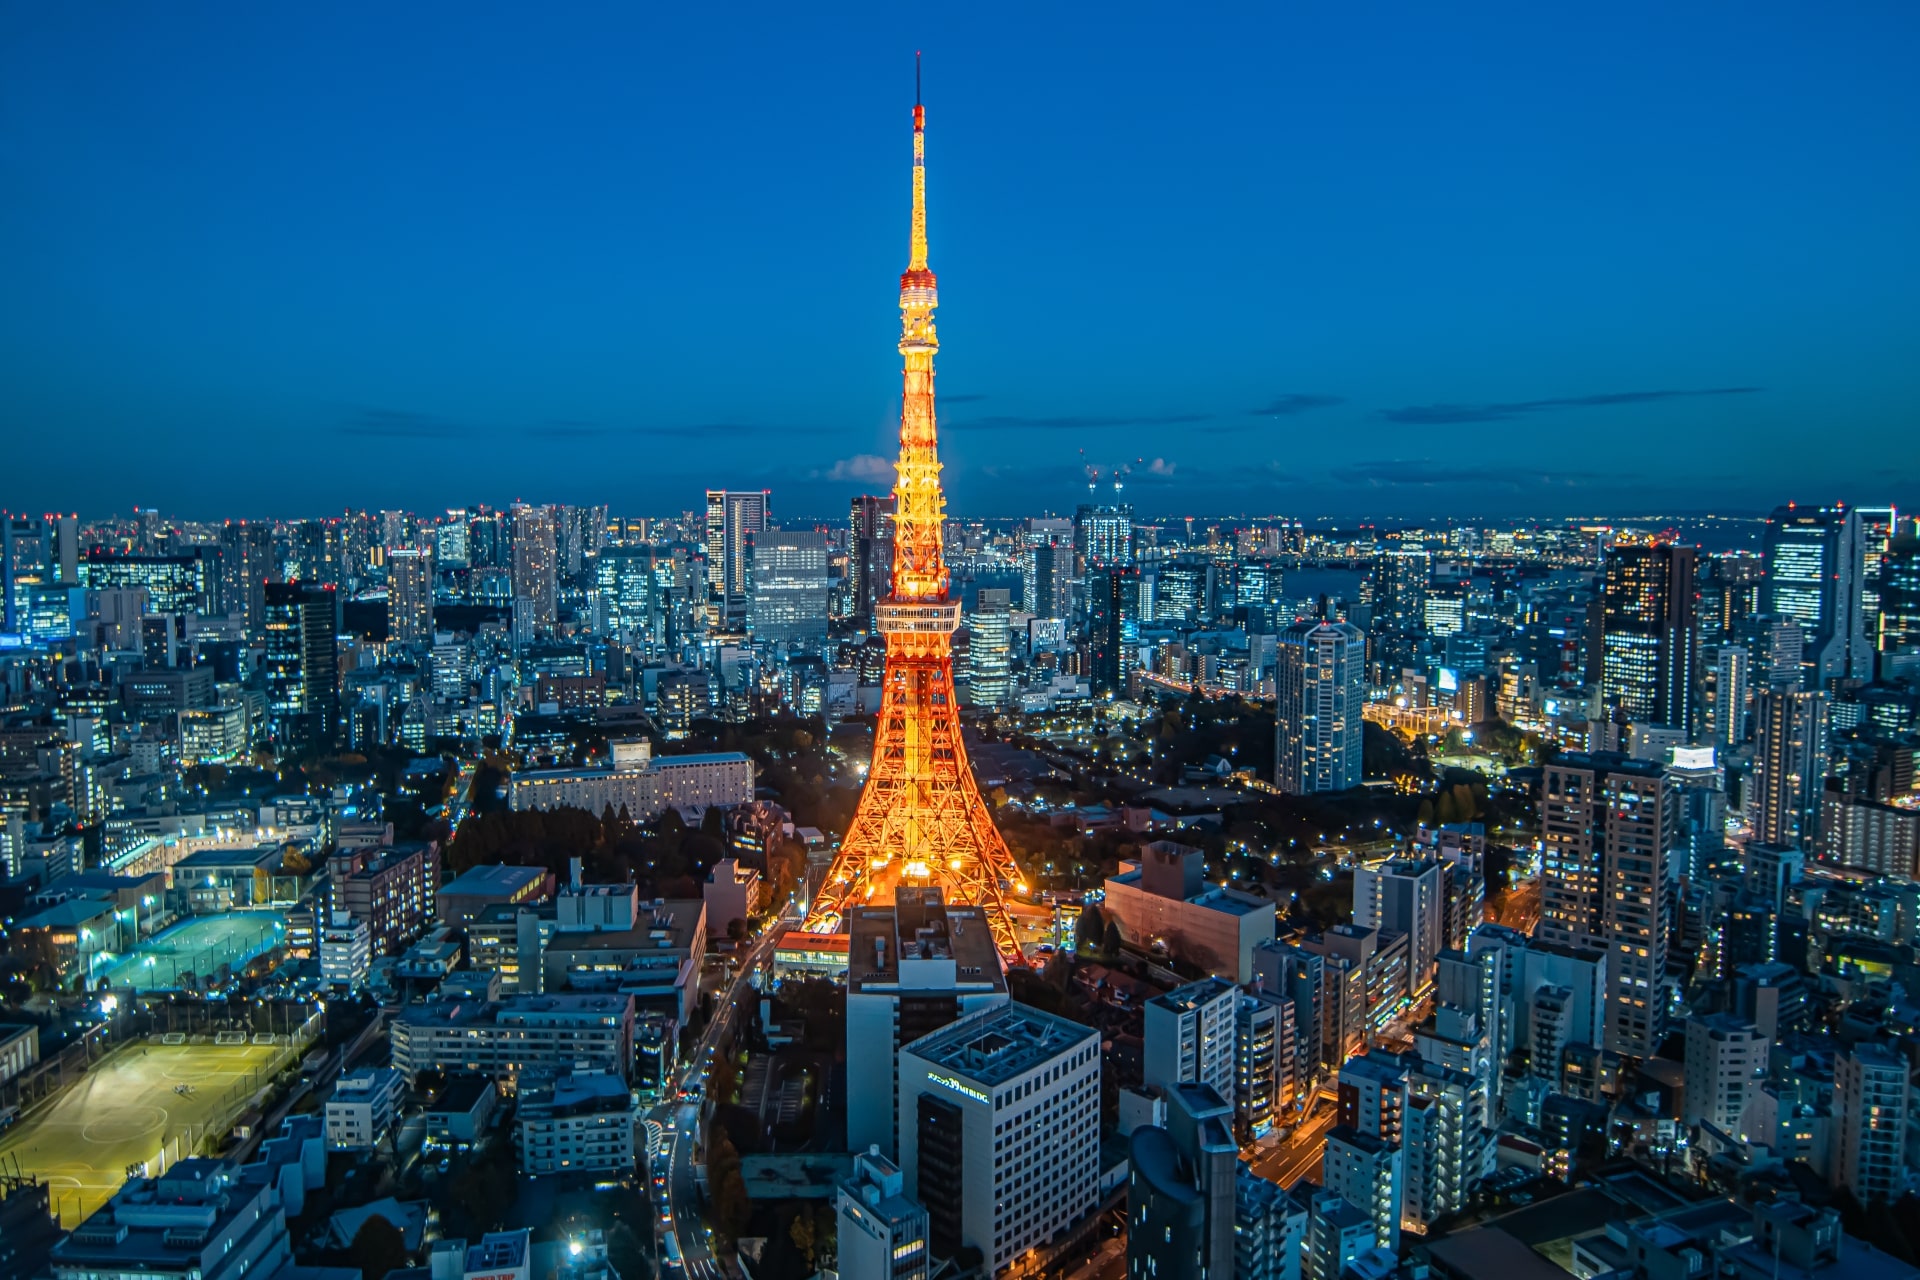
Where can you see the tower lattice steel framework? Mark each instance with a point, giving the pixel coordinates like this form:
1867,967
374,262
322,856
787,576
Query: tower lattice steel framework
921,819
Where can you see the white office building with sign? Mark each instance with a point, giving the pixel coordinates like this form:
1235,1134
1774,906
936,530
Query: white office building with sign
1000,1130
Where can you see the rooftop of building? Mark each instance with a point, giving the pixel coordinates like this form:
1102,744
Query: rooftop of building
708,757
581,1093
606,767
498,1251
1157,1159
364,1086
159,1224
1192,996
384,859
1487,1251
1724,1026
70,914
496,879
267,851
464,1010
96,882
663,924
463,1092
1211,896
1610,762
920,926
994,1047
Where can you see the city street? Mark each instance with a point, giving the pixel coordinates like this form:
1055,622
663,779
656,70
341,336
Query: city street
1299,1155
683,1193
1519,907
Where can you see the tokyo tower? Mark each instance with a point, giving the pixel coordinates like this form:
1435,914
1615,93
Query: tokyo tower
921,820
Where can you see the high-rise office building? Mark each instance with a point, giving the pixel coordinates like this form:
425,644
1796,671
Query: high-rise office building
301,666
1648,634
1815,563
990,648
1899,592
1400,582
1283,970
787,587
1732,589
450,541
1047,568
1102,536
152,530
1269,1229
733,518
1725,696
1337,1234
65,561
1607,825
869,555
624,581
246,562
399,529
1878,526
1263,1056
409,596
1789,766
318,553
23,566
1317,718
174,583
1000,1130
535,567
1869,835
1113,647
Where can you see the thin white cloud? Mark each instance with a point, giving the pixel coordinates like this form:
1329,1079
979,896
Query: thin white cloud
863,467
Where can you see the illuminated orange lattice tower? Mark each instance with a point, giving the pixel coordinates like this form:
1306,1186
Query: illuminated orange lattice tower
921,819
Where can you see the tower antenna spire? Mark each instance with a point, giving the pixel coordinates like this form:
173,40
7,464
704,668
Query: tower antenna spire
916,77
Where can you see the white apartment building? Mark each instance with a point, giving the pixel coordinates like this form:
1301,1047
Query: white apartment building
1405,896
1366,1172
1188,1037
1870,1104
1726,1063
577,1122
503,1038
633,779
362,1109
346,952
1000,1130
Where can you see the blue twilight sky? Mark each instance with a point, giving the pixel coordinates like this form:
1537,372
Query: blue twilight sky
1312,259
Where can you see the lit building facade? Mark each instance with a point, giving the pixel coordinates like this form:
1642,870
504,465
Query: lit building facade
1000,1130
1321,688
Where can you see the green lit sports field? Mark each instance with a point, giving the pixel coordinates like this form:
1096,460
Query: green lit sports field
125,1110
198,946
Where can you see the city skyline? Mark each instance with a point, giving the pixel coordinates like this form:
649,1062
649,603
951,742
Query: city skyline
525,255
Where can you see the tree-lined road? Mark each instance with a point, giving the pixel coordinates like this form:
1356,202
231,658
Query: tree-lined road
683,1190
